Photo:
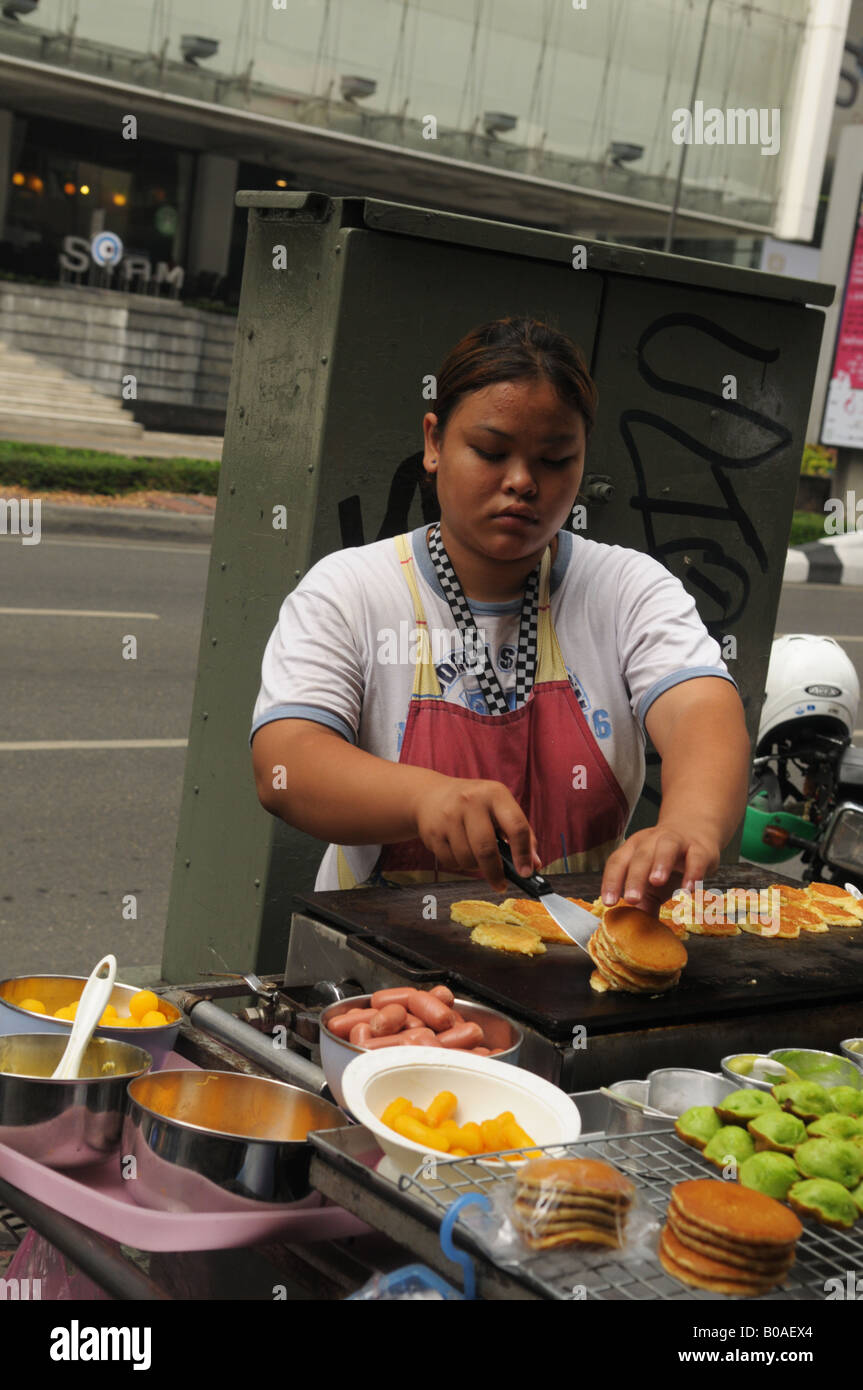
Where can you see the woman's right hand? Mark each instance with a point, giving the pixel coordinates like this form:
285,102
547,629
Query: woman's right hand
459,819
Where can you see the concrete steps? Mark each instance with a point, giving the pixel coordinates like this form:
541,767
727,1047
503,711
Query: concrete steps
40,403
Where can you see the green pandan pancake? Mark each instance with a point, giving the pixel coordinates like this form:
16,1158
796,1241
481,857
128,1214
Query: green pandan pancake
829,1202
835,1159
777,1130
730,1142
697,1125
805,1099
742,1106
835,1127
846,1099
770,1173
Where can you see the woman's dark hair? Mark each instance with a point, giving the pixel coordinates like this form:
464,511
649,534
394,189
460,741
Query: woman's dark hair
514,349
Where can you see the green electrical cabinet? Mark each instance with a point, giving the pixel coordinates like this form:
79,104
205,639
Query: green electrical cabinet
348,306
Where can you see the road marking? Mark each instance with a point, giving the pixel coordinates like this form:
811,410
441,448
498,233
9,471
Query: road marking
73,613
60,745
203,549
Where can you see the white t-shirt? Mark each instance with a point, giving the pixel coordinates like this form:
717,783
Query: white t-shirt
344,648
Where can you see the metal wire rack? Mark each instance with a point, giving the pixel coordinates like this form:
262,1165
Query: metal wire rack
655,1160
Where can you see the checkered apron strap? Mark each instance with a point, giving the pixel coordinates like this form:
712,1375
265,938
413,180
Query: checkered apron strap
525,670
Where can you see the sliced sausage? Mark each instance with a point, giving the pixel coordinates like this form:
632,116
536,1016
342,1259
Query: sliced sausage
463,1035
388,1020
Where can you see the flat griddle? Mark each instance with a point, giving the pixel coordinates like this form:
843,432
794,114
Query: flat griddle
725,976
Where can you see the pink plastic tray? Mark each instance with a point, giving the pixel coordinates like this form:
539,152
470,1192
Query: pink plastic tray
98,1197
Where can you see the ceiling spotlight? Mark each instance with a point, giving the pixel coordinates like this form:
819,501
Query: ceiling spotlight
13,9
497,122
622,153
354,88
194,47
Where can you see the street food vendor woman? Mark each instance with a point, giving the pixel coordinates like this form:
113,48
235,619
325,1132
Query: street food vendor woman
495,673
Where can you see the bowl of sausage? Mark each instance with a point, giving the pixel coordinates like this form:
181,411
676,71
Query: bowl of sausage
406,1017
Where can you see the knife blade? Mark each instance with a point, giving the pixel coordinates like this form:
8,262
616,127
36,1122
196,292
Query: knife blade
578,924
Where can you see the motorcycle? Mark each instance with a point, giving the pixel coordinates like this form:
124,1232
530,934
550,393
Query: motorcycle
806,792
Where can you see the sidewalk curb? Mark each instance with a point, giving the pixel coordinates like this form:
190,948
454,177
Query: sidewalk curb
134,523
837,560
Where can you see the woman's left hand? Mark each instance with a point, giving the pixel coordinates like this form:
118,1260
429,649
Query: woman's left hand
652,863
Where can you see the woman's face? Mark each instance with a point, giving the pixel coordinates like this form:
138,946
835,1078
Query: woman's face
513,447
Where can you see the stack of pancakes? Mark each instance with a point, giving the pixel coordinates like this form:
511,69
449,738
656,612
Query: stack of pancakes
632,951
571,1201
727,1238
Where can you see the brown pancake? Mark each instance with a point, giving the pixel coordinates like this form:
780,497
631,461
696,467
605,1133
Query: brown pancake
503,936
530,913
576,1176
579,1236
730,1282
831,895
608,972
639,983
642,942
731,1210
470,912
598,984
704,1262
760,1264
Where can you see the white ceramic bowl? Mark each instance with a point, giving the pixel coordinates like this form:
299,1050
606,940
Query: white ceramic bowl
484,1088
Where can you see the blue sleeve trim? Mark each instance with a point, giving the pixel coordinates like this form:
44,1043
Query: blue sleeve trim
676,678
320,716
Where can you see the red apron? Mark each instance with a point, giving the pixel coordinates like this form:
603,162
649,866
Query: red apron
544,752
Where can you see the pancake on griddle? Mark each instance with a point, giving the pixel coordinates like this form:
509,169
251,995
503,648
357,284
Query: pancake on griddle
635,952
470,912
530,913
830,896
503,936
621,976
571,1201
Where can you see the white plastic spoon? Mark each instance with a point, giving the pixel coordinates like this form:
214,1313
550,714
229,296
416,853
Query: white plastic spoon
91,1006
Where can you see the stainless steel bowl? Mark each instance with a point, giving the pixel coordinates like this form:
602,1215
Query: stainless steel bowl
756,1082
337,1052
826,1068
852,1048
65,1124
220,1141
56,991
666,1093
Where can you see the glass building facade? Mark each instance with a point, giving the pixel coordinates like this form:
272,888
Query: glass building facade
563,109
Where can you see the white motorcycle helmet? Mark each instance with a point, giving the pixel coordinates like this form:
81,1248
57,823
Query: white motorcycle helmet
811,684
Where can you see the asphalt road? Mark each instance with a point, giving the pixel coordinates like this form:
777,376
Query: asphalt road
83,827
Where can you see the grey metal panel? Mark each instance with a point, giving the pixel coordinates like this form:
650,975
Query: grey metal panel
325,414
